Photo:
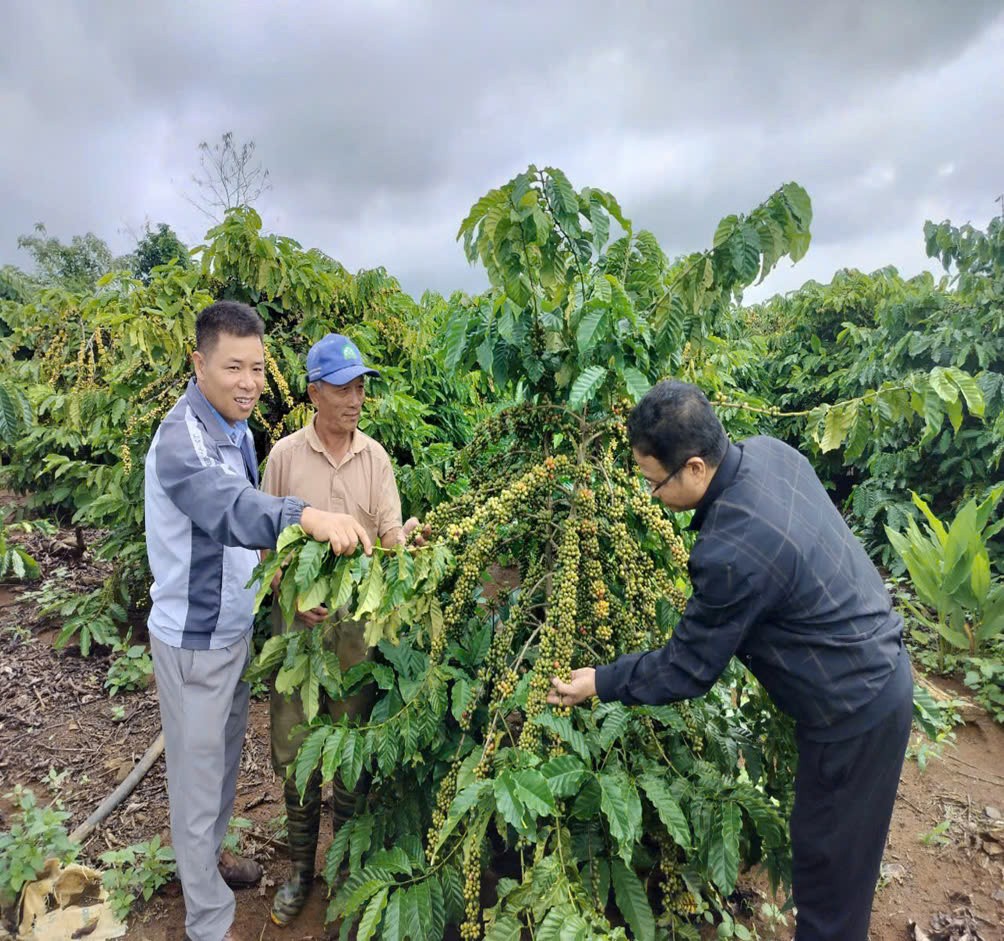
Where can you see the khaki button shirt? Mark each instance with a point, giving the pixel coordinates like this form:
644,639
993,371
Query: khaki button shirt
361,484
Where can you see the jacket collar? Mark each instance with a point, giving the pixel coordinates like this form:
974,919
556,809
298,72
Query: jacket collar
206,413
724,476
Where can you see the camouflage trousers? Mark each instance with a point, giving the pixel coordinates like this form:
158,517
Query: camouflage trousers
345,638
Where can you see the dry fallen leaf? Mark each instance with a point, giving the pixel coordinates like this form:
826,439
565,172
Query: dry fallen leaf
86,929
959,926
894,872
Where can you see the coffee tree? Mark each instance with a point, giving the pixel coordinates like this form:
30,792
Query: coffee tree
486,807
936,348
86,376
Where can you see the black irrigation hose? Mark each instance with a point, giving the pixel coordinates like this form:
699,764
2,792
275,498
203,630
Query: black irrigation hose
121,792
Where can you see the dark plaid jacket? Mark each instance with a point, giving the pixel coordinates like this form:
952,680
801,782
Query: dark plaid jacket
781,582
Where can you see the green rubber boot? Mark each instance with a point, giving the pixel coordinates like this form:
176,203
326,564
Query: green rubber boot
343,805
303,822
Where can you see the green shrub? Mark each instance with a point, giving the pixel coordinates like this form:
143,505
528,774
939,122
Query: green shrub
131,670
136,872
950,568
35,835
15,562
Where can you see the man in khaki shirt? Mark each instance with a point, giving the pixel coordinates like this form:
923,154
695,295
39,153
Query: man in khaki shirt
333,466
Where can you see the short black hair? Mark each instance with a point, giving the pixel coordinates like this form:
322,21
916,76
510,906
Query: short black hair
674,422
232,317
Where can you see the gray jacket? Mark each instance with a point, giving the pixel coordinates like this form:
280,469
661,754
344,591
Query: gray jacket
204,521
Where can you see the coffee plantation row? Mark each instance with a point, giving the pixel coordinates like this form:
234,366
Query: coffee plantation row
504,413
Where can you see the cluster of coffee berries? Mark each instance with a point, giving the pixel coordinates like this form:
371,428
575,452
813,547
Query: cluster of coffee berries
547,665
676,897
670,882
280,380
52,360
594,599
510,502
472,563
566,595
470,930
695,730
161,404
557,638
86,364
636,574
505,685
666,587
484,523
655,519
440,519
601,604
594,886
99,344
498,668
483,769
444,797
273,431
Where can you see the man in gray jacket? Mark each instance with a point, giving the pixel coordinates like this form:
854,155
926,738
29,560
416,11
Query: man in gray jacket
205,519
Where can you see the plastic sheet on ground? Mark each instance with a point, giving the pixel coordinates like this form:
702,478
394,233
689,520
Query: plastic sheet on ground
67,902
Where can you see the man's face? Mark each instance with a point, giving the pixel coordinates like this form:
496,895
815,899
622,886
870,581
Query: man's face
231,375
338,407
686,486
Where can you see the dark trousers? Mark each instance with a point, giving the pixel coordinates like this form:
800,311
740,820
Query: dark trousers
844,795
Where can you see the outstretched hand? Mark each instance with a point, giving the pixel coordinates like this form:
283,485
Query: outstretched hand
421,538
341,530
314,616
580,687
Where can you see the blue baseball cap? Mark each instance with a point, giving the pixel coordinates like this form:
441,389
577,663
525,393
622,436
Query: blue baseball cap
336,359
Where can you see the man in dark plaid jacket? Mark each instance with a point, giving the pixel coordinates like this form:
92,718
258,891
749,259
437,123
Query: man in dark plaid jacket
780,582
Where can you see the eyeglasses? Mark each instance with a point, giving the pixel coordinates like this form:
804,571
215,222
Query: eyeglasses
654,489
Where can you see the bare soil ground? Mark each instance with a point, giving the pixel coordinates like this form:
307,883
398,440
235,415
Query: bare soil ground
61,736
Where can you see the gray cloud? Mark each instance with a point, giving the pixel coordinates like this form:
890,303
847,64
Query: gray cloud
382,122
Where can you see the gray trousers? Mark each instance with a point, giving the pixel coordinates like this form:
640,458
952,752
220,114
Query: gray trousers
204,714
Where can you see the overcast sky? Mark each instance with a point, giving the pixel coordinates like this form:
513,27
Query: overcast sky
382,121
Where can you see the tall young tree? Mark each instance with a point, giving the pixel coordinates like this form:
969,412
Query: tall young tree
230,177
158,247
76,266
